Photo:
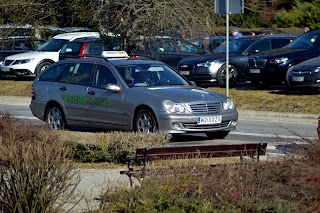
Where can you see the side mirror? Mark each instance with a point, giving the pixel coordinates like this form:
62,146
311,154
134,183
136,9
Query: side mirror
113,87
193,83
252,51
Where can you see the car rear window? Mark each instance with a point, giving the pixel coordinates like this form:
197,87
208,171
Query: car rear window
72,48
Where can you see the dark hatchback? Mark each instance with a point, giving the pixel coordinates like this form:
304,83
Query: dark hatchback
18,44
212,67
271,68
305,75
89,47
165,49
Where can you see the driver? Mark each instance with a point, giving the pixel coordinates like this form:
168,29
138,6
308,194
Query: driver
146,78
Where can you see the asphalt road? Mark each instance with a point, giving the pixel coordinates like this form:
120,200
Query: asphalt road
253,126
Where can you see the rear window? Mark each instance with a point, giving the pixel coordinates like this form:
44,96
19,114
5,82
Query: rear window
72,48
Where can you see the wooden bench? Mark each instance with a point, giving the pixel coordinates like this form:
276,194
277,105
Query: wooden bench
144,155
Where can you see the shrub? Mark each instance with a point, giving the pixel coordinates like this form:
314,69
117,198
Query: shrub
87,153
34,173
278,185
121,145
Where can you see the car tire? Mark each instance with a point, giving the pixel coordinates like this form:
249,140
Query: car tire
145,122
233,76
217,135
55,118
42,66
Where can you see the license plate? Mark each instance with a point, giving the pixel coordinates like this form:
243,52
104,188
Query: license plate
254,70
5,69
209,120
298,78
184,72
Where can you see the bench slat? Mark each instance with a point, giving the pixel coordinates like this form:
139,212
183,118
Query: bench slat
206,151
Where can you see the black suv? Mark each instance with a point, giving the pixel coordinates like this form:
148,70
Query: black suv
212,67
89,47
18,44
271,68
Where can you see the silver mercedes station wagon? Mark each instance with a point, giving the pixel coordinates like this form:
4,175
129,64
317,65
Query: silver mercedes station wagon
128,94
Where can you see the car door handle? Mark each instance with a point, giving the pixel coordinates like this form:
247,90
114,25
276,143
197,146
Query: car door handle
91,92
63,88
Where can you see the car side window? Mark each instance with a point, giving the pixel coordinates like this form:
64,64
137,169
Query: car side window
278,43
22,45
166,47
78,73
6,45
103,76
260,46
53,73
186,47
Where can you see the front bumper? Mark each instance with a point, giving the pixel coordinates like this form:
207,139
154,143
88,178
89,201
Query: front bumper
304,79
176,124
10,72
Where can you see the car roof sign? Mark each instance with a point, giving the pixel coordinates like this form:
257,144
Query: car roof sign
115,54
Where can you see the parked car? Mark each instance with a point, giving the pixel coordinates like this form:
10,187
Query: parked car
165,49
212,67
271,68
18,44
89,47
305,75
32,63
111,94
215,41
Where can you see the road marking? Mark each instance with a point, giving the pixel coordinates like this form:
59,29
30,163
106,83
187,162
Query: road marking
267,135
24,117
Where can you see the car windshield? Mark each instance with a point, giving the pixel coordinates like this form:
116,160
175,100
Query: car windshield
53,45
235,46
306,41
143,75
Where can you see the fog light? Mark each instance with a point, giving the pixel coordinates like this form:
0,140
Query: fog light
233,123
176,126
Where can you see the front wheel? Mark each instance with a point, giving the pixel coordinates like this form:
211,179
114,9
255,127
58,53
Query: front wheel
233,76
217,135
42,67
145,122
55,118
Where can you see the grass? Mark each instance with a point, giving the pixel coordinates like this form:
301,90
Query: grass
274,100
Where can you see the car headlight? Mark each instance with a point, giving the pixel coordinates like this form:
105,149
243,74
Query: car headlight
172,107
228,105
282,60
206,64
317,69
23,61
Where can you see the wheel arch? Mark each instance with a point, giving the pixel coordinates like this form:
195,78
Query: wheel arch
137,109
51,104
42,61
